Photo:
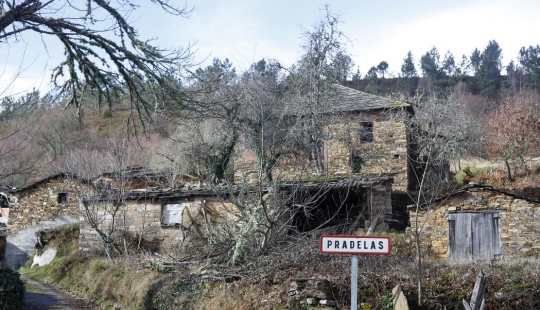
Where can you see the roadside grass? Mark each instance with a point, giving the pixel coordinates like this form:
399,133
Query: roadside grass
263,281
119,284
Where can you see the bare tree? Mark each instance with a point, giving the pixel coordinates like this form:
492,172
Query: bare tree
110,174
438,131
512,133
197,150
93,61
270,127
313,79
19,118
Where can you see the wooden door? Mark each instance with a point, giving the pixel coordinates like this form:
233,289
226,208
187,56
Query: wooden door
474,236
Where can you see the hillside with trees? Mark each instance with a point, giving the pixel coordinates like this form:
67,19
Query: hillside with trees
126,105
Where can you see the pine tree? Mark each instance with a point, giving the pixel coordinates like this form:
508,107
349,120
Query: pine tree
490,70
530,60
407,69
476,59
406,83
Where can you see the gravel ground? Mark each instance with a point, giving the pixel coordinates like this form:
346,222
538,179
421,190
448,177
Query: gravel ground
41,296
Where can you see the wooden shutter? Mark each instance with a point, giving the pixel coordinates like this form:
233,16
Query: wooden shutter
172,214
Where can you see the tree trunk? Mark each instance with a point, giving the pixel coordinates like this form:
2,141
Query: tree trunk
508,171
419,269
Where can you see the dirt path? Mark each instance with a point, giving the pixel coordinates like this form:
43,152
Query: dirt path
41,296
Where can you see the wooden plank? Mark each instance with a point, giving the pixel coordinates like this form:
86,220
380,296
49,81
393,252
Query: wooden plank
481,236
477,297
462,245
474,236
466,305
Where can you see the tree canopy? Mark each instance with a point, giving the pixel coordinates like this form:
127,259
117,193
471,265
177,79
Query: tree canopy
490,70
408,69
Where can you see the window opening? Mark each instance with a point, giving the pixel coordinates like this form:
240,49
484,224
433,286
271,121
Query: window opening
62,197
366,131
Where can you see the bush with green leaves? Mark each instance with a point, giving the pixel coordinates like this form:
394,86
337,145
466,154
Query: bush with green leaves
11,289
463,176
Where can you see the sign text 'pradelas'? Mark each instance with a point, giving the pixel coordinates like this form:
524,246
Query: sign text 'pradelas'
354,245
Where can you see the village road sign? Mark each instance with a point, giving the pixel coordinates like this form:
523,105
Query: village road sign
355,245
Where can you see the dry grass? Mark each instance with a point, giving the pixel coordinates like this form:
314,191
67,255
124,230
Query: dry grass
262,282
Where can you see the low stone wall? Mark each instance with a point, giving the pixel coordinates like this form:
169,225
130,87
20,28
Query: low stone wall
146,219
519,220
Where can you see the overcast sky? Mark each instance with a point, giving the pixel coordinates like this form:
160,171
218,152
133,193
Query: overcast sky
247,30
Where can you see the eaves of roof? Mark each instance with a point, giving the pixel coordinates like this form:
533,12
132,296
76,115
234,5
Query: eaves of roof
47,179
469,186
182,193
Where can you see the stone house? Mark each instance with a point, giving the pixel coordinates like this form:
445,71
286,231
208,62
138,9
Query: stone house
480,222
167,219
366,135
46,200
50,202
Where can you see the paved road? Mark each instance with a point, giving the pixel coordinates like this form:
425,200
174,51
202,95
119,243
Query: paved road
41,296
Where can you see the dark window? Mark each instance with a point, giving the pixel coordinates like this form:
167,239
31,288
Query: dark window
4,201
62,197
366,131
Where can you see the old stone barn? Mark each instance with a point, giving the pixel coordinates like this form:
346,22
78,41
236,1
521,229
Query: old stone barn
166,220
480,222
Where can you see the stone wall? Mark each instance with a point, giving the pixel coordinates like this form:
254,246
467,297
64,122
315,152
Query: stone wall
40,202
146,219
519,220
387,154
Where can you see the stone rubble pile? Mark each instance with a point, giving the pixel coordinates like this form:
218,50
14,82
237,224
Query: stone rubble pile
314,291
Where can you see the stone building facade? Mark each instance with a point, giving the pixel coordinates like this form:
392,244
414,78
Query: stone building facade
49,203
164,219
365,135
51,198
169,219
501,224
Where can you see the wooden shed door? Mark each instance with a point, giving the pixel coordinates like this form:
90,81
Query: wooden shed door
474,236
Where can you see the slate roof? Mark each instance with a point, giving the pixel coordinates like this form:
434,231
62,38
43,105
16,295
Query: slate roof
61,175
195,191
346,99
349,99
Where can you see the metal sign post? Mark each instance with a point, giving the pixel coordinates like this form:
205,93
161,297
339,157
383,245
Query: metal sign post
354,245
354,282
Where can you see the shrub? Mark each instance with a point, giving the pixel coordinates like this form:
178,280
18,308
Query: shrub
461,177
11,289
465,175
